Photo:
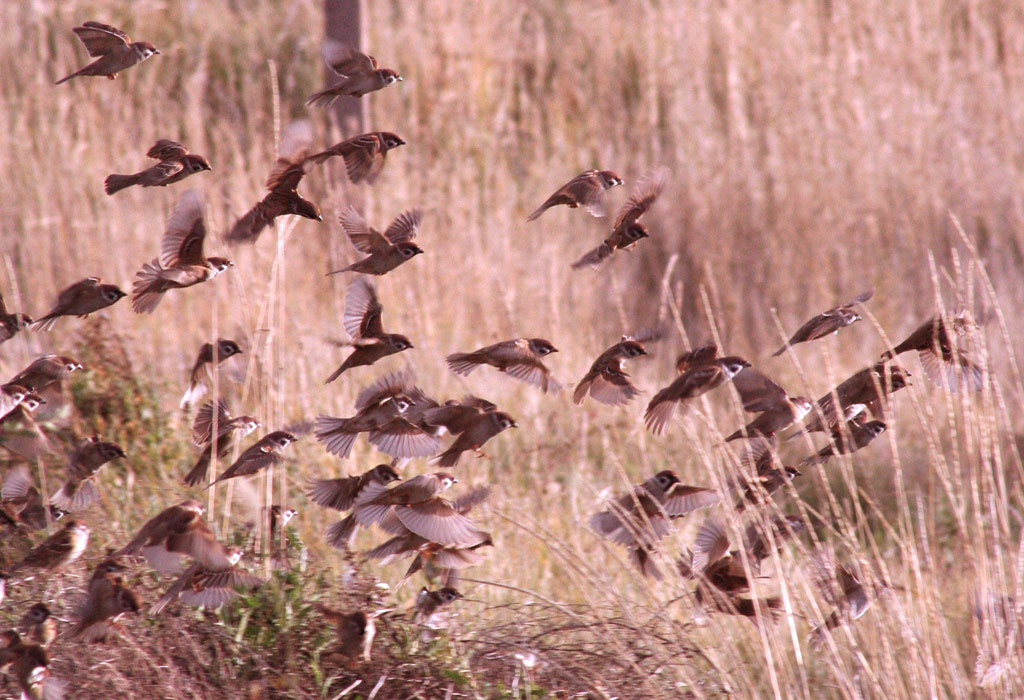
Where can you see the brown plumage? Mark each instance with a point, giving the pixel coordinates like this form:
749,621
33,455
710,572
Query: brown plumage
358,71
11,396
342,494
265,452
355,631
108,599
455,416
384,251
201,375
607,381
229,432
519,358
377,406
113,50
778,410
363,322
30,664
841,586
586,189
174,533
693,382
945,361
80,299
46,371
174,164
429,604
478,430
846,439
11,323
203,586
58,550
38,625
21,504
364,155
79,491
864,390
826,323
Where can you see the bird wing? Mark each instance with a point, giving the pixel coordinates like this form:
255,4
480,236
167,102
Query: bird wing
364,238
296,142
202,426
758,392
101,39
362,317
390,385
182,243
643,196
710,545
165,149
437,521
345,60
404,227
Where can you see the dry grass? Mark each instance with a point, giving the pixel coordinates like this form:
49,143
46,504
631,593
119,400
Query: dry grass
818,148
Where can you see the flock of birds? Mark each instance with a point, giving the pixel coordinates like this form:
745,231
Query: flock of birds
403,422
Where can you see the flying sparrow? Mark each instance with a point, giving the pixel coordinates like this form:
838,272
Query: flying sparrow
778,411
842,587
80,299
11,395
108,599
229,431
480,428
827,322
45,371
628,231
359,74
943,360
181,263
265,452
282,183
30,664
377,405
698,357
362,321
409,435
846,439
761,473
58,550
113,50
174,163
355,631
10,323
693,382
174,533
607,381
21,434
38,625
454,416
202,370
341,494
22,502
206,587
865,390
586,190
429,604
385,251
364,154
519,358
79,490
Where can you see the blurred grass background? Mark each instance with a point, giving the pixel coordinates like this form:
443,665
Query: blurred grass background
818,148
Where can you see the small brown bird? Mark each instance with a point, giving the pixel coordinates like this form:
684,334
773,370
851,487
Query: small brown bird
58,550
377,406
10,323
586,190
454,416
179,531
778,410
355,631
842,587
264,453
21,502
359,74
519,358
364,154
385,251
693,382
846,439
430,603
204,587
661,499
38,625
343,493
79,490
761,474
827,322
712,542
181,263
107,600
282,183
229,431
113,50
80,299
865,390
45,371
30,665
363,322
943,359
698,357
480,428
11,396
174,164
607,381
628,231
201,376
21,434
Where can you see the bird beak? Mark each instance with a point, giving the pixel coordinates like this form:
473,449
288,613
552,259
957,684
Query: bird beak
514,424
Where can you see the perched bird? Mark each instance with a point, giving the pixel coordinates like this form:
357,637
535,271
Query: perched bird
38,625
477,431
628,231
607,381
174,164
364,325
377,405
359,74
944,361
265,452
174,533
519,358
778,410
827,322
343,493
58,550
385,251
229,432
80,299
44,372
842,587
10,323
693,382
282,183
22,504
864,390
181,263
429,604
364,154
586,190
355,631
79,490
206,587
846,439
113,50
201,376
640,519
108,599
30,664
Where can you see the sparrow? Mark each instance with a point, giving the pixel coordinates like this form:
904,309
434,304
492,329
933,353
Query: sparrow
21,434
10,323
363,323
283,198
377,405
359,74
936,342
229,431
108,599
519,358
693,382
864,390
279,538
364,154
409,435
264,453
355,631
174,533
79,490
206,587
640,519
827,322
846,439
113,50
80,299
21,502
698,357
58,550
11,396
607,381
429,604
46,371
586,189
341,495
30,665
478,431
38,625
759,543
778,411
385,251
842,587
761,474
627,231
174,163
201,375
181,263
454,416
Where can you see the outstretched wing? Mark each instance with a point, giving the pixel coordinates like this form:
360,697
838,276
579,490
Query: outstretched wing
101,39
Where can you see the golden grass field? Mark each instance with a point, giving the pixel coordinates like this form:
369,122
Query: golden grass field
818,148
